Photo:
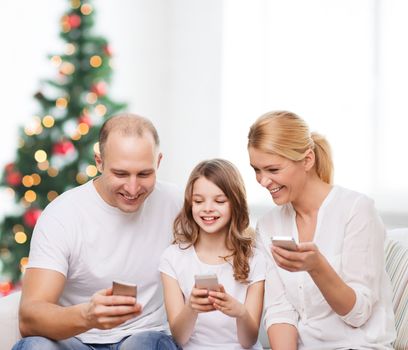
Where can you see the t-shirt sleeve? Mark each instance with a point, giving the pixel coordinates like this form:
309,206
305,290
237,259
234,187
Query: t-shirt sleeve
258,267
167,261
49,247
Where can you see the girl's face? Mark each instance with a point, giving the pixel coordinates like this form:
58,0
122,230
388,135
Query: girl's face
211,209
282,177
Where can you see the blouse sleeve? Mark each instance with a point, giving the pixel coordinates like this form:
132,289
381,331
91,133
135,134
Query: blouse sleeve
277,308
363,259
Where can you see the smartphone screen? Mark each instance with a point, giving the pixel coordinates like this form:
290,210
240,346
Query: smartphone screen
123,288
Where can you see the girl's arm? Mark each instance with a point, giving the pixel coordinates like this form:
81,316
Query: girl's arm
182,315
248,315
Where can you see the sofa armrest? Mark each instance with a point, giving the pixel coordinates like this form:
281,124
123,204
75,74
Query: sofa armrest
9,329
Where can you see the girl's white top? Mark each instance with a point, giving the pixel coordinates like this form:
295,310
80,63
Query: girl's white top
213,330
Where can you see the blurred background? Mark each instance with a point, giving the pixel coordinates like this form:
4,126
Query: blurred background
204,70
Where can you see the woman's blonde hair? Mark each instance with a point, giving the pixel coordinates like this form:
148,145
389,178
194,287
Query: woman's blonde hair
287,135
239,236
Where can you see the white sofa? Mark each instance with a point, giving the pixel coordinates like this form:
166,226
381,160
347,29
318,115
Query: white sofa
396,253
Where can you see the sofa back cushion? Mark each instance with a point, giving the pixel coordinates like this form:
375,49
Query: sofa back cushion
396,256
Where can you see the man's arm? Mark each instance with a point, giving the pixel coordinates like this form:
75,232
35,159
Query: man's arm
41,315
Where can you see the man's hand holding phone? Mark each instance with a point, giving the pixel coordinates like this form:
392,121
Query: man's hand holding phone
109,308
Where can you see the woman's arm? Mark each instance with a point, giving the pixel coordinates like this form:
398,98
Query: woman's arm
182,315
337,293
282,336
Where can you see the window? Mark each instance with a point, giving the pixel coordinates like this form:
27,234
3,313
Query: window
341,65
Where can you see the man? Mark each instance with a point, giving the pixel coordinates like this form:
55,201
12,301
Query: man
112,228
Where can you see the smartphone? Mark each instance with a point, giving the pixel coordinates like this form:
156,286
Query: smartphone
124,288
209,282
284,242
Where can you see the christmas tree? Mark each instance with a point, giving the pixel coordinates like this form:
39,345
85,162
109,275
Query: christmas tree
56,148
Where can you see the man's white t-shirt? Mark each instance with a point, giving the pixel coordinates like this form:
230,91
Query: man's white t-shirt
92,243
213,330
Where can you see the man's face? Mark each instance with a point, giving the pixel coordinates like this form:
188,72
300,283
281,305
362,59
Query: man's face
128,170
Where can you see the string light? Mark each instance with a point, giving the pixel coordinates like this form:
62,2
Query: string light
36,179
20,237
17,228
34,127
67,68
10,192
96,148
61,102
95,61
91,170
65,26
51,195
86,9
83,128
23,264
75,4
48,121
28,181
56,60
5,253
30,196
75,136
70,49
91,98
81,178
5,288
100,110
52,172
40,156
21,143
24,203
43,165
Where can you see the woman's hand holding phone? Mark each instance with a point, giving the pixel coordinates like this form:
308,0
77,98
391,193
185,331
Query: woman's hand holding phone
307,257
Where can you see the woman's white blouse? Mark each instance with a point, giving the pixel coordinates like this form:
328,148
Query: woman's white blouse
350,234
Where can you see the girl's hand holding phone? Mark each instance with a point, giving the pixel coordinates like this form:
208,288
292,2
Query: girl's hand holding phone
306,258
199,300
225,303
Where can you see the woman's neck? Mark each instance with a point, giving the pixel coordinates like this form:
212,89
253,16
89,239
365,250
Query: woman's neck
311,198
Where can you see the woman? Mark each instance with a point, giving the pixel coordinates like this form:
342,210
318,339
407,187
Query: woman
335,280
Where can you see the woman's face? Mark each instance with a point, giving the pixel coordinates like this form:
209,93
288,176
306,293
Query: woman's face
283,178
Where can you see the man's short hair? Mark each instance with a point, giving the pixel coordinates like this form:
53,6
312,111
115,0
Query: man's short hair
128,125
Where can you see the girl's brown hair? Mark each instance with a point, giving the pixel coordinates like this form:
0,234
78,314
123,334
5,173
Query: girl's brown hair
287,135
239,240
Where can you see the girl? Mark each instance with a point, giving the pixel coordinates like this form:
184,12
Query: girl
336,278
211,236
